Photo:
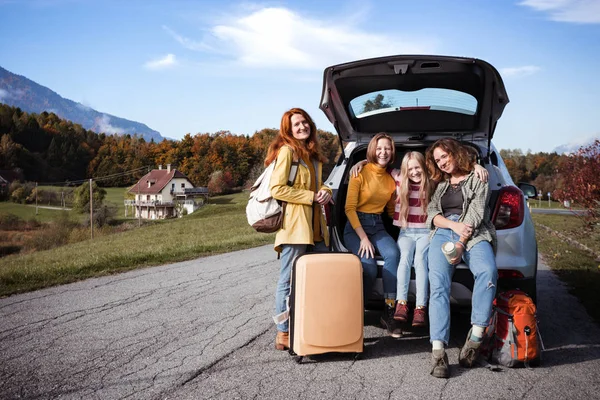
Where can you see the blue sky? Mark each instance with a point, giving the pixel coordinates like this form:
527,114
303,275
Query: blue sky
203,66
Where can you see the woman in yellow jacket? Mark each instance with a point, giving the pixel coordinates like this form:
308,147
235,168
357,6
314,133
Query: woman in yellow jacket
304,228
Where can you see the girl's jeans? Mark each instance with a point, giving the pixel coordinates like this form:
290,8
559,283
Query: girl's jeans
289,252
482,263
385,245
413,244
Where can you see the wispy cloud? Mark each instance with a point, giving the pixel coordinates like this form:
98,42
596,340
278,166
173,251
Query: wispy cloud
525,70
279,37
576,11
167,61
187,42
103,124
4,95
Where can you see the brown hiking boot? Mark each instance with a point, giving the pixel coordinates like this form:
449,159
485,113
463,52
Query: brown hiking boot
282,340
439,364
469,352
420,316
401,313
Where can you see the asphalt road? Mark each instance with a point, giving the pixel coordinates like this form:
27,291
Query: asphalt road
202,329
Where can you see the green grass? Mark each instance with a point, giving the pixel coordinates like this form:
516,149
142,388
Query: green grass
116,196
26,211
578,268
218,227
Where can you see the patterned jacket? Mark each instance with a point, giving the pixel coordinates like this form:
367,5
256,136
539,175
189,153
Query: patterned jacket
476,211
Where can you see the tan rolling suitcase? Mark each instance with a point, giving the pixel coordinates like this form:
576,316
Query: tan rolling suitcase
326,304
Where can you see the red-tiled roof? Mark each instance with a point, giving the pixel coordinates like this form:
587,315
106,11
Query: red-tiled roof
160,179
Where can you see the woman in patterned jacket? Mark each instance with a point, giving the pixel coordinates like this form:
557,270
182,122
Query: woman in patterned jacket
458,212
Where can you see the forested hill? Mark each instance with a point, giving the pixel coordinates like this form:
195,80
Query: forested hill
29,96
46,149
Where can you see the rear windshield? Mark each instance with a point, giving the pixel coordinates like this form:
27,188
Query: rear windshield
393,100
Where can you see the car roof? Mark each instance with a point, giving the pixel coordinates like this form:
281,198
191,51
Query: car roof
414,98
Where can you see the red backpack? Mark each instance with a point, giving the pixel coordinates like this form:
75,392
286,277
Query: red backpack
512,338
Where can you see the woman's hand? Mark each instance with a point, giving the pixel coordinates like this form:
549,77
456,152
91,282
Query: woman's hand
481,173
323,197
355,170
366,248
459,252
462,229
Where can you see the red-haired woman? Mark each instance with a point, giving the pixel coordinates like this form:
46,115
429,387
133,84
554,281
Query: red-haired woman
304,228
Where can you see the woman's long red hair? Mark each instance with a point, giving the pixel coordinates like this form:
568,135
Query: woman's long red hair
310,149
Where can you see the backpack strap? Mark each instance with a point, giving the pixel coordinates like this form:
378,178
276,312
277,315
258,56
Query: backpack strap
293,172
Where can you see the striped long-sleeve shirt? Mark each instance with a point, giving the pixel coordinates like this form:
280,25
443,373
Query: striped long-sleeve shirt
416,216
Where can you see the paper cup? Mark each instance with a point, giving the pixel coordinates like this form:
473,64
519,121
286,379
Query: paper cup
449,250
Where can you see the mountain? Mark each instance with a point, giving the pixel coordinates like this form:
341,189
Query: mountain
574,146
18,91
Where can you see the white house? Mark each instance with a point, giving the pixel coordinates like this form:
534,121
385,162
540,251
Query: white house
164,193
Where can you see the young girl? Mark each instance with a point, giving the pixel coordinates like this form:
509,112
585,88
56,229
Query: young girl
304,228
413,191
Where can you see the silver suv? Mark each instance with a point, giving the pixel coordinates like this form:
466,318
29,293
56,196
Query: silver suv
418,99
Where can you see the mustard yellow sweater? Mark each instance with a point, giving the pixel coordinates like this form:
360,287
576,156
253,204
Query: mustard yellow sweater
370,192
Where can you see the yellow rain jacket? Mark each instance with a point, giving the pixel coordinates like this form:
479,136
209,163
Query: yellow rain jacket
297,227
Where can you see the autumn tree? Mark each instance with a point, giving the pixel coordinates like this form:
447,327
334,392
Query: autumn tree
580,174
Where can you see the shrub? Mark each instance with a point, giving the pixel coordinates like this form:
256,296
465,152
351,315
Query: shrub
10,222
53,234
104,215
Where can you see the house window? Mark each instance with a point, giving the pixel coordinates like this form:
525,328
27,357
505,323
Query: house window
147,197
183,185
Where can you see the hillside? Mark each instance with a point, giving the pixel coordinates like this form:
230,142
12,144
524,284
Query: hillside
29,96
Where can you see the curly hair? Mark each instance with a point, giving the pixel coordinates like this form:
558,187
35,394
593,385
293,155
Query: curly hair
459,154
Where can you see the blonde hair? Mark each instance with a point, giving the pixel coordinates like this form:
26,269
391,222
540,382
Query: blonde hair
425,187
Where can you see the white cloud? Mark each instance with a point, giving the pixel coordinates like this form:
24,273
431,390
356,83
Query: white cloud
186,42
103,124
166,62
525,70
4,95
577,11
279,37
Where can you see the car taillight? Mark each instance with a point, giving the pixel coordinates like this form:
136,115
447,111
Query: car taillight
509,274
510,208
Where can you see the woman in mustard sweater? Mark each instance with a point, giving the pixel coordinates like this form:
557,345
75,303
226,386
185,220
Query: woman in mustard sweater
369,194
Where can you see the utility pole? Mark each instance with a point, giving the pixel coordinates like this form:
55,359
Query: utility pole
139,201
91,210
36,197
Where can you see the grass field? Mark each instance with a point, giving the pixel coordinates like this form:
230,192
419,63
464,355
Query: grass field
578,268
26,212
218,227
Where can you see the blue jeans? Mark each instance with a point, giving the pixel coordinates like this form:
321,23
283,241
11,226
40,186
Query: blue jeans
289,253
482,263
385,245
414,245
